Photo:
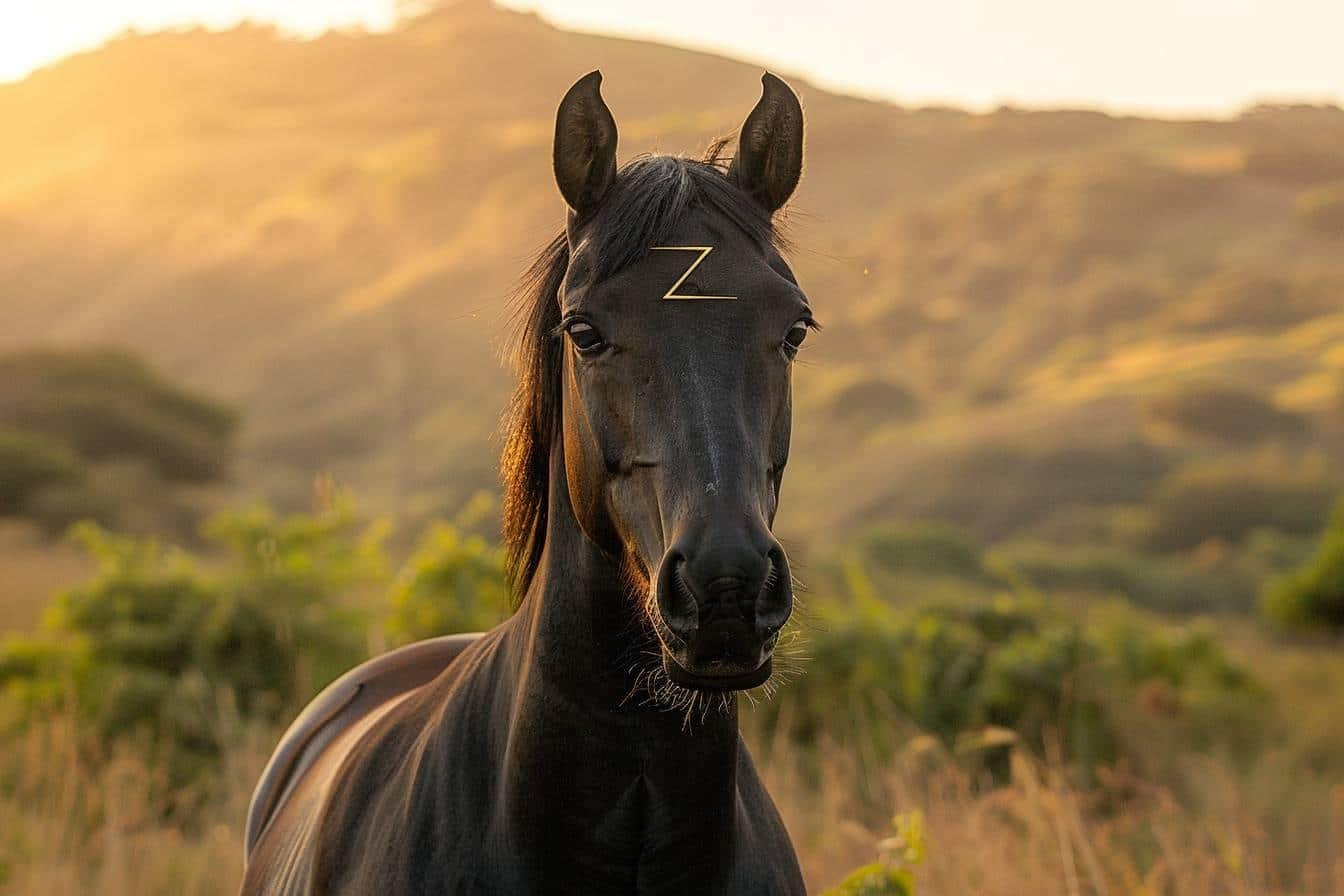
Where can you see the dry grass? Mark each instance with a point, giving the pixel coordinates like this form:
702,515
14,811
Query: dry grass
32,568
71,825
1040,835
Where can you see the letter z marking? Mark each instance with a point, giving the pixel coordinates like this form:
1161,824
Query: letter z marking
704,251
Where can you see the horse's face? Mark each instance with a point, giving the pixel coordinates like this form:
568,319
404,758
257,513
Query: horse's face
676,397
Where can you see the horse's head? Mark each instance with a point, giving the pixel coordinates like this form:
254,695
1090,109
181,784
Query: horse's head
678,324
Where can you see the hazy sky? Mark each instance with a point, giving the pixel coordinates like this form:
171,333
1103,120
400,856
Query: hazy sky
1164,56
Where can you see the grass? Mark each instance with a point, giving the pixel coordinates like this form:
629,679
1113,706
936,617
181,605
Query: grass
1039,834
78,824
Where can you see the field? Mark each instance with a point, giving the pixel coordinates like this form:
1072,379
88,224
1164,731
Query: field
1065,486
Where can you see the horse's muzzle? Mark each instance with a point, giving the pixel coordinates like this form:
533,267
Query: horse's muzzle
720,612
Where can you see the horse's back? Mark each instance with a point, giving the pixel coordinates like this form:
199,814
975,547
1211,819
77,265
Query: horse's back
342,706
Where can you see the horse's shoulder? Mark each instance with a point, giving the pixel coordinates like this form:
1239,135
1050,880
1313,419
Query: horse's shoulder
339,707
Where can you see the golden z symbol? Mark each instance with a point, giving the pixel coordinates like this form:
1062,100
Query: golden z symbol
704,251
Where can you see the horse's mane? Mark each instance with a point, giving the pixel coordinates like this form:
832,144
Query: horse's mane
650,196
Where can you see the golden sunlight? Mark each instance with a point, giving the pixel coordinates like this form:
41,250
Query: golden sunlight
34,35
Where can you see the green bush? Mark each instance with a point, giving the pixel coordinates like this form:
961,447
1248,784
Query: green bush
1154,582
923,548
1009,663
30,464
1226,413
159,643
105,404
1228,500
1014,486
874,399
452,583
893,872
1312,597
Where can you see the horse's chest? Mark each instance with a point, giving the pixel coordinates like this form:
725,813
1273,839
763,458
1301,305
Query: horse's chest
636,837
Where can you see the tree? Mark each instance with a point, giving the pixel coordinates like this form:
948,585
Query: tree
1311,598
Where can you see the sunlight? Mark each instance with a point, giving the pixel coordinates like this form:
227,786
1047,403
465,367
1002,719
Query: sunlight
35,35
1200,57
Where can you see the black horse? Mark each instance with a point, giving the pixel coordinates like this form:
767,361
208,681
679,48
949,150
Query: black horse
589,744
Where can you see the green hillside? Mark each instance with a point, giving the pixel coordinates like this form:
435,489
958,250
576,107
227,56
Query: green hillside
1021,308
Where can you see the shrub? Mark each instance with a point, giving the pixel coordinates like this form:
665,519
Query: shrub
923,548
992,490
1224,412
452,583
107,404
156,644
1312,597
1008,664
1229,500
1155,582
874,400
30,464
893,872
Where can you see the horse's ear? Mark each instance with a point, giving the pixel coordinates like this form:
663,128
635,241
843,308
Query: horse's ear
769,157
585,145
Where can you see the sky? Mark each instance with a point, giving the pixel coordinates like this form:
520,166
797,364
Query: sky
1165,57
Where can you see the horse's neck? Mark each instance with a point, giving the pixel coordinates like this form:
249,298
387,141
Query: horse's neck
581,645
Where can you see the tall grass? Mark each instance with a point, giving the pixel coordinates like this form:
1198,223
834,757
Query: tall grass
1039,834
73,821
76,822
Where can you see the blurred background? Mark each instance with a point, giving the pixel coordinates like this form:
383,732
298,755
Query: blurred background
1064,463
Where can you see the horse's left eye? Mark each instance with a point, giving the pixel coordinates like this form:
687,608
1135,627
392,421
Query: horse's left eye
793,340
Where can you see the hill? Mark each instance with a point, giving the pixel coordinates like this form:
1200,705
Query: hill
325,233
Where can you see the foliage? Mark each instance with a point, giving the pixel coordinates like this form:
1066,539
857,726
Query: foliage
992,490
165,645
874,397
104,404
1230,499
1224,412
1009,663
452,583
1312,596
1055,265
923,548
98,434
29,464
1214,582
893,873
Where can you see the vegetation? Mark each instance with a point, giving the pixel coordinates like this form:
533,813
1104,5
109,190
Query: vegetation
86,432
1078,406
1003,308
171,661
1225,412
1312,596
158,648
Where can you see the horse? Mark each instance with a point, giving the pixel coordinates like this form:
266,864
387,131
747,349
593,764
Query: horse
589,744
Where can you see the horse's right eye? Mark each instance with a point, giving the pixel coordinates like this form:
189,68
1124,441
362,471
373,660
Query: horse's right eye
585,337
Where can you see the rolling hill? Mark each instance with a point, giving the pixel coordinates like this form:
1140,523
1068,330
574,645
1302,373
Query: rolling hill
326,232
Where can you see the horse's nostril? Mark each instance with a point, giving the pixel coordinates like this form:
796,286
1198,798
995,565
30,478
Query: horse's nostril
775,603
676,601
